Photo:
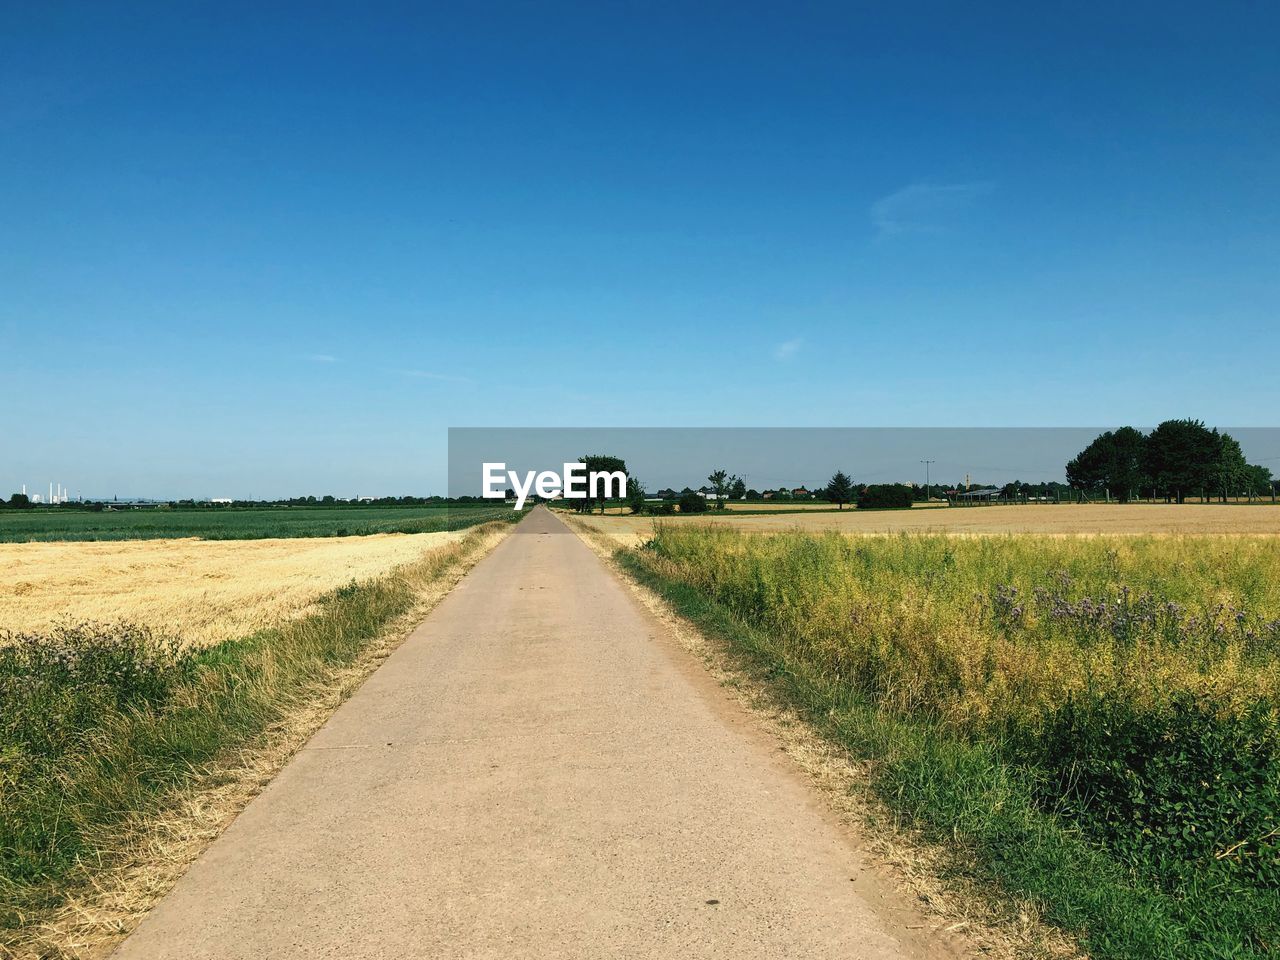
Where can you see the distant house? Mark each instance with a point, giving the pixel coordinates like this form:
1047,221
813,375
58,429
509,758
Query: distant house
221,501
983,495
799,492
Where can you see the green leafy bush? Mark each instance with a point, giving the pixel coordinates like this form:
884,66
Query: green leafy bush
1178,789
693,503
884,496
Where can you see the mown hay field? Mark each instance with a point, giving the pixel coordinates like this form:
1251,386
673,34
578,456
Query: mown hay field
1097,717
1068,519
199,591
805,506
773,506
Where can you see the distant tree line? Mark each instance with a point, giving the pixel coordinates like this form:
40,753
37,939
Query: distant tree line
1176,460
723,487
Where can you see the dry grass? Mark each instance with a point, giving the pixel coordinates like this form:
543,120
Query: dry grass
1063,519
203,591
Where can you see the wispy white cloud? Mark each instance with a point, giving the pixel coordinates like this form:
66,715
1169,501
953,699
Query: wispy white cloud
787,349
320,358
432,375
925,207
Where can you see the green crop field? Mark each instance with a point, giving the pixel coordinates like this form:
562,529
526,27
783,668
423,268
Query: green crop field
252,523
1094,720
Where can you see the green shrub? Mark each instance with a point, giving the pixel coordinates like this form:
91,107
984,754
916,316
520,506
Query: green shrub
1179,790
884,496
693,503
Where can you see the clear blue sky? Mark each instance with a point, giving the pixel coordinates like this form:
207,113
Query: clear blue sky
255,249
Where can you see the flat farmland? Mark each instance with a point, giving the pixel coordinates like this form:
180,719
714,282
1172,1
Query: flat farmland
201,591
250,523
800,506
1065,519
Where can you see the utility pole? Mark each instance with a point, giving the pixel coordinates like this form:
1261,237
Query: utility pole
926,478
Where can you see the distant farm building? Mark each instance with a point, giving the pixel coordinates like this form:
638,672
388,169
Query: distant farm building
985,495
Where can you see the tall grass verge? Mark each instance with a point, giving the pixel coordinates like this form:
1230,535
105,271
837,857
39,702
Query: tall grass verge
98,726
1092,722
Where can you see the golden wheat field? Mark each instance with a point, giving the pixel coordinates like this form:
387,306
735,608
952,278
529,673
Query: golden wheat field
203,591
786,506
1066,519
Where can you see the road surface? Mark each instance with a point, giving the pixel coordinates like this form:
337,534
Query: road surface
539,771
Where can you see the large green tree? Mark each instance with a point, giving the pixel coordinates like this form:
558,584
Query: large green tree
1112,462
1183,458
1231,474
598,463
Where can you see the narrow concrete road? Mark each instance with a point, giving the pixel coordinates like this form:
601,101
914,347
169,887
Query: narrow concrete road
537,772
